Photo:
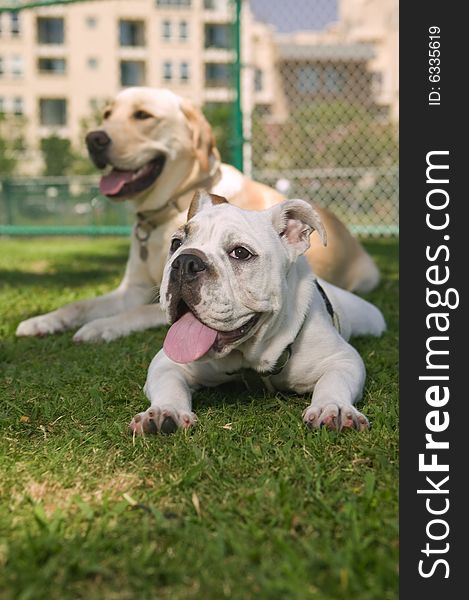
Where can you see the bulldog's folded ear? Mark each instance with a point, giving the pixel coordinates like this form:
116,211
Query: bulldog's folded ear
295,220
202,199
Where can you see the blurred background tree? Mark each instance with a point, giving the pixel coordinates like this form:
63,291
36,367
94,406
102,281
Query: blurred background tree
330,134
57,155
220,117
12,143
61,158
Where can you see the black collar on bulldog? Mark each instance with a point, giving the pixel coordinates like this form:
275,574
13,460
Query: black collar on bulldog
257,381
148,220
334,316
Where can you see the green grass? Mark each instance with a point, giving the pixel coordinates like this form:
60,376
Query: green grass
247,505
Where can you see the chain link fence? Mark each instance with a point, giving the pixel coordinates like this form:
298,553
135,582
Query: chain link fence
330,133
316,113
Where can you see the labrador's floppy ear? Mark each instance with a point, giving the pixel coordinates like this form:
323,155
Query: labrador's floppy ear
202,199
202,135
295,220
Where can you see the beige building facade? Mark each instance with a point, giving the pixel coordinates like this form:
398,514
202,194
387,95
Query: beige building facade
376,22
59,64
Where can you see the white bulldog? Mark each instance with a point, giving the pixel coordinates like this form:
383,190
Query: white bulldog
241,299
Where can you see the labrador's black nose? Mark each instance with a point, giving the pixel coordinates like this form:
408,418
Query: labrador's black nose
188,266
97,143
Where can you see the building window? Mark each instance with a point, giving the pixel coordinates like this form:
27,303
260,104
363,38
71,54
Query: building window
17,66
218,36
132,33
333,80
132,72
179,3
54,66
92,63
167,71
18,106
50,30
166,30
15,24
258,80
91,22
218,75
307,80
53,111
184,72
183,30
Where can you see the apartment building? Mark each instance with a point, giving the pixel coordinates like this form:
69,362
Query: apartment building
354,58
58,63
376,22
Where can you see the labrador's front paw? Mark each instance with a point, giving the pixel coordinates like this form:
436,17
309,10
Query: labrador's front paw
99,330
41,325
332,416
164,419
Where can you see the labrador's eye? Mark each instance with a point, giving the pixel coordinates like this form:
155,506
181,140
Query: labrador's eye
240,253
175,244
141,115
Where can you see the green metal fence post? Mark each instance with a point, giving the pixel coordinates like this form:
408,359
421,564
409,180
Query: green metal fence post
238,112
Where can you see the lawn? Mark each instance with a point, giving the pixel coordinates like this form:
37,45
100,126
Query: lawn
247,505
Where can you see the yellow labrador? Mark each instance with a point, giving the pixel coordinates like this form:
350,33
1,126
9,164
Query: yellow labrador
158,149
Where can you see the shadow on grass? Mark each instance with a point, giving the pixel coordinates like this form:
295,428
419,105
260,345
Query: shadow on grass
69,278
73,269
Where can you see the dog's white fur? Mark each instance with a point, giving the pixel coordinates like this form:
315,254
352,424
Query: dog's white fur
279,285
179,131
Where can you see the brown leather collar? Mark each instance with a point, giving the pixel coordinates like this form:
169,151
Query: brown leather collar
148,220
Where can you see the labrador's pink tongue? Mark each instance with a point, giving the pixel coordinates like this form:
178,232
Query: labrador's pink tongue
188,339
113,182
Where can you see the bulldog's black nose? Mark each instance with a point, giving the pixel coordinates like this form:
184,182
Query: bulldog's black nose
97,143
188,266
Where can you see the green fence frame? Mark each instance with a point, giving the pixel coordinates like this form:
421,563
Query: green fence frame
25,5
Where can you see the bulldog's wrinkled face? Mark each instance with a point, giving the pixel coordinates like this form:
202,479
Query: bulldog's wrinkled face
226,274
148,137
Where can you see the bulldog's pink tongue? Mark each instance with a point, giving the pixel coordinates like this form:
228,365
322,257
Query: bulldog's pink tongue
188,339
113,182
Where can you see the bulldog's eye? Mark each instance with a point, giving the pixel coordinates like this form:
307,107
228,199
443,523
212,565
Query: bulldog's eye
107,113
175,244
240,253
141,115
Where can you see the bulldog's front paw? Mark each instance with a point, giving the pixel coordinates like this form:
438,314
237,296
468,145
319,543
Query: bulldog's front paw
335,417
40,326
164,419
